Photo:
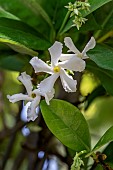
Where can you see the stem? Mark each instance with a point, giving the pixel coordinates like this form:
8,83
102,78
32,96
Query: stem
109,34
64,22
103,25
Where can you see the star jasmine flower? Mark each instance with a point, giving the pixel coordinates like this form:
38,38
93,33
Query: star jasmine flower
34,96
82,55
58,69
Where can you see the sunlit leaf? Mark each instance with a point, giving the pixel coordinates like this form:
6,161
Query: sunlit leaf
67,123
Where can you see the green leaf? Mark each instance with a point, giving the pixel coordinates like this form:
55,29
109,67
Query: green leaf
18,47
95,4
91,24
22,42
21,11
55,10
108,151
13,62
36,8
104,18
103,56
19,25
106,138
104,75
67,123
6,14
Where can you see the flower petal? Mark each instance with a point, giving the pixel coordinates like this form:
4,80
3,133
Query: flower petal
48,96
55,52
69,43
64,57
26,80
68,83
17,97
47,84
31,111
40,66
91,44
75,64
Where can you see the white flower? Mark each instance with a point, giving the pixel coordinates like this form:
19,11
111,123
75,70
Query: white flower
82,55
33,96
57,69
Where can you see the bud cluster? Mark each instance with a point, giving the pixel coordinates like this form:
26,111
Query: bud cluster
76,9
77,163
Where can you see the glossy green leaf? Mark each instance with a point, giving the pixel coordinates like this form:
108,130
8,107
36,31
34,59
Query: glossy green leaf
67,123
6,14
95,4
106,138
102,56
25,14
22,42
104,75
19,25
18,47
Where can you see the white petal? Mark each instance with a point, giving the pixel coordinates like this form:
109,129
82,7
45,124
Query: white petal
48,96
75,64
31,112
68,83
90,45
64,57
47,84
69,43
36,91
26,80
17,97
55,52
40,66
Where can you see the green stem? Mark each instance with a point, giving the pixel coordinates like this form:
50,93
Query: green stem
103,25
109,34
64,22
82,152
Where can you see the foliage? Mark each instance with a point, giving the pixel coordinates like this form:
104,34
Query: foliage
63,127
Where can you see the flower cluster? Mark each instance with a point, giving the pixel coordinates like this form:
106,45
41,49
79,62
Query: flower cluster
76,9
77,163
59,67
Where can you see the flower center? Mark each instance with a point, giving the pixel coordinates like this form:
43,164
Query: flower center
33,95
56,69
80,55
